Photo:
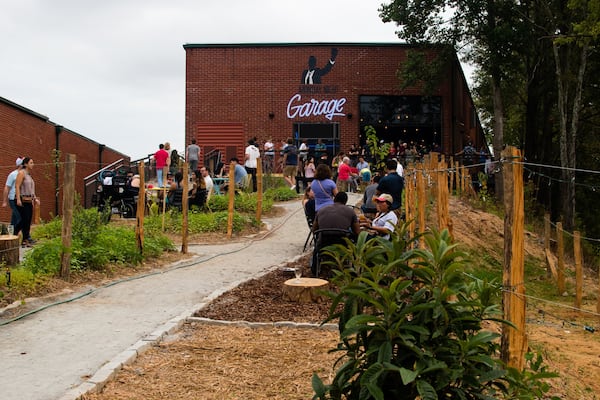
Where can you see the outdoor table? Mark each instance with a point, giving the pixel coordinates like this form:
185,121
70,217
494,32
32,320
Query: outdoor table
219,182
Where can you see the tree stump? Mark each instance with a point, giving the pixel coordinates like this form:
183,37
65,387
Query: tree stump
9,249
304,290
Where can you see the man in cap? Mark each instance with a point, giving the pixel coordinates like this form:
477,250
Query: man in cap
9,196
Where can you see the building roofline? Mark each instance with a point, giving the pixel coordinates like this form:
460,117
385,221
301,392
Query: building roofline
24,109
313,44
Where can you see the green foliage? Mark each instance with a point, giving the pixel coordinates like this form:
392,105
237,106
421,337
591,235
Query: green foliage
197,222
94,244
420,69
410,324
110,245
244,202
379,151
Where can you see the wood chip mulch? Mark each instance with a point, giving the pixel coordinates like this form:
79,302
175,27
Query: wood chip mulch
231,362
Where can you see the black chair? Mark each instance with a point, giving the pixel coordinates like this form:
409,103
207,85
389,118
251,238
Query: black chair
175,198
323,238
309,213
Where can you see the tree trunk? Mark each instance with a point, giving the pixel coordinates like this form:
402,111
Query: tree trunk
568,132
498,141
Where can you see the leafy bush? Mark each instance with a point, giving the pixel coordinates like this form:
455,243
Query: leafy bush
198,222
244,202
410,324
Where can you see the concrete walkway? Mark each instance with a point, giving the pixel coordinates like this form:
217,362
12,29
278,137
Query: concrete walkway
62,351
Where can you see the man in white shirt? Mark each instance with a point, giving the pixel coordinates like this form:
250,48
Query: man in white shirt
208,181
252,154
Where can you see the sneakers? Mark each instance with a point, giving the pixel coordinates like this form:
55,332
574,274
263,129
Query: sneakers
293,187
28,243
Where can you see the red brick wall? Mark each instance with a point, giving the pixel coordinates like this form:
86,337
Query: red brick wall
25,133
244,83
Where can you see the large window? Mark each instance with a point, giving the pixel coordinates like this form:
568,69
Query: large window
403,118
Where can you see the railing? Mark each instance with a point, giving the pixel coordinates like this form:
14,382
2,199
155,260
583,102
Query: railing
91,182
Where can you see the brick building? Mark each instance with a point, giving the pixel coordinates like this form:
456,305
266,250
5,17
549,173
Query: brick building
320,90
25,133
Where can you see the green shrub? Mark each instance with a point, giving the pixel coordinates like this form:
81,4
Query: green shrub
410,324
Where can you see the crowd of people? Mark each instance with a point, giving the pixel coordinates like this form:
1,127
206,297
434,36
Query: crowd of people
19,194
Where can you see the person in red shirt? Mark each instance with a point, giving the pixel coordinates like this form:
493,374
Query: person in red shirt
345,174
160,158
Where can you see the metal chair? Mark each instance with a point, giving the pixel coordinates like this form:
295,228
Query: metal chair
323,238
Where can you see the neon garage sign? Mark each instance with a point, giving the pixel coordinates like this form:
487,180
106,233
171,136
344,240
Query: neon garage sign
314,108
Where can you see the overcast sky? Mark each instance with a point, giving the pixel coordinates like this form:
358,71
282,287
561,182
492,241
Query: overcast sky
114,70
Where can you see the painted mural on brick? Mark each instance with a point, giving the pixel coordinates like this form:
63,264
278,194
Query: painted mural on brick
303,104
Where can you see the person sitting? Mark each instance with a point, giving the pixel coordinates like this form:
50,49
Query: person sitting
198,194
385,221
240,174
308,203
208,182
369,207
336,222
175,195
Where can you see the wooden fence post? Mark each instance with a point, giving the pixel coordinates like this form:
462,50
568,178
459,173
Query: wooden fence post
457,177
578,268
422,202
410,204
141,209
442,197
560,254
184,208
547,243
231,194
67,217
514,339
259,189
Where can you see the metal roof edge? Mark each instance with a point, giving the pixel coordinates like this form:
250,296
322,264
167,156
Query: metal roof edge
308,44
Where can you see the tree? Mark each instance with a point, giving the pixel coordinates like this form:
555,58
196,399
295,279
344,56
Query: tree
485,31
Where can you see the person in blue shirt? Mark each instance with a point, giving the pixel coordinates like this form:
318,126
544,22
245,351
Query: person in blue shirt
9,196
239,174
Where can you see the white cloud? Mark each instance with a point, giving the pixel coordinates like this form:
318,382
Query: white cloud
114,70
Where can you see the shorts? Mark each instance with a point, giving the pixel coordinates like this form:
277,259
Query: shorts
290,170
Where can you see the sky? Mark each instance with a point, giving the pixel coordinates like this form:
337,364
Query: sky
114,70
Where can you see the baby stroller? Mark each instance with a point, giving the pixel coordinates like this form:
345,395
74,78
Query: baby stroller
115,192
321,239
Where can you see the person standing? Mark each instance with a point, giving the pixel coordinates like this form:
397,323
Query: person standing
290,162
345,176
320,149
161,158
192,155
252,154
25,198
392,184
9,197
269,152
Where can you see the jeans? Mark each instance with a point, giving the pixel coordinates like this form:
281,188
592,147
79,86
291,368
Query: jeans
159,177
26,211
15,218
